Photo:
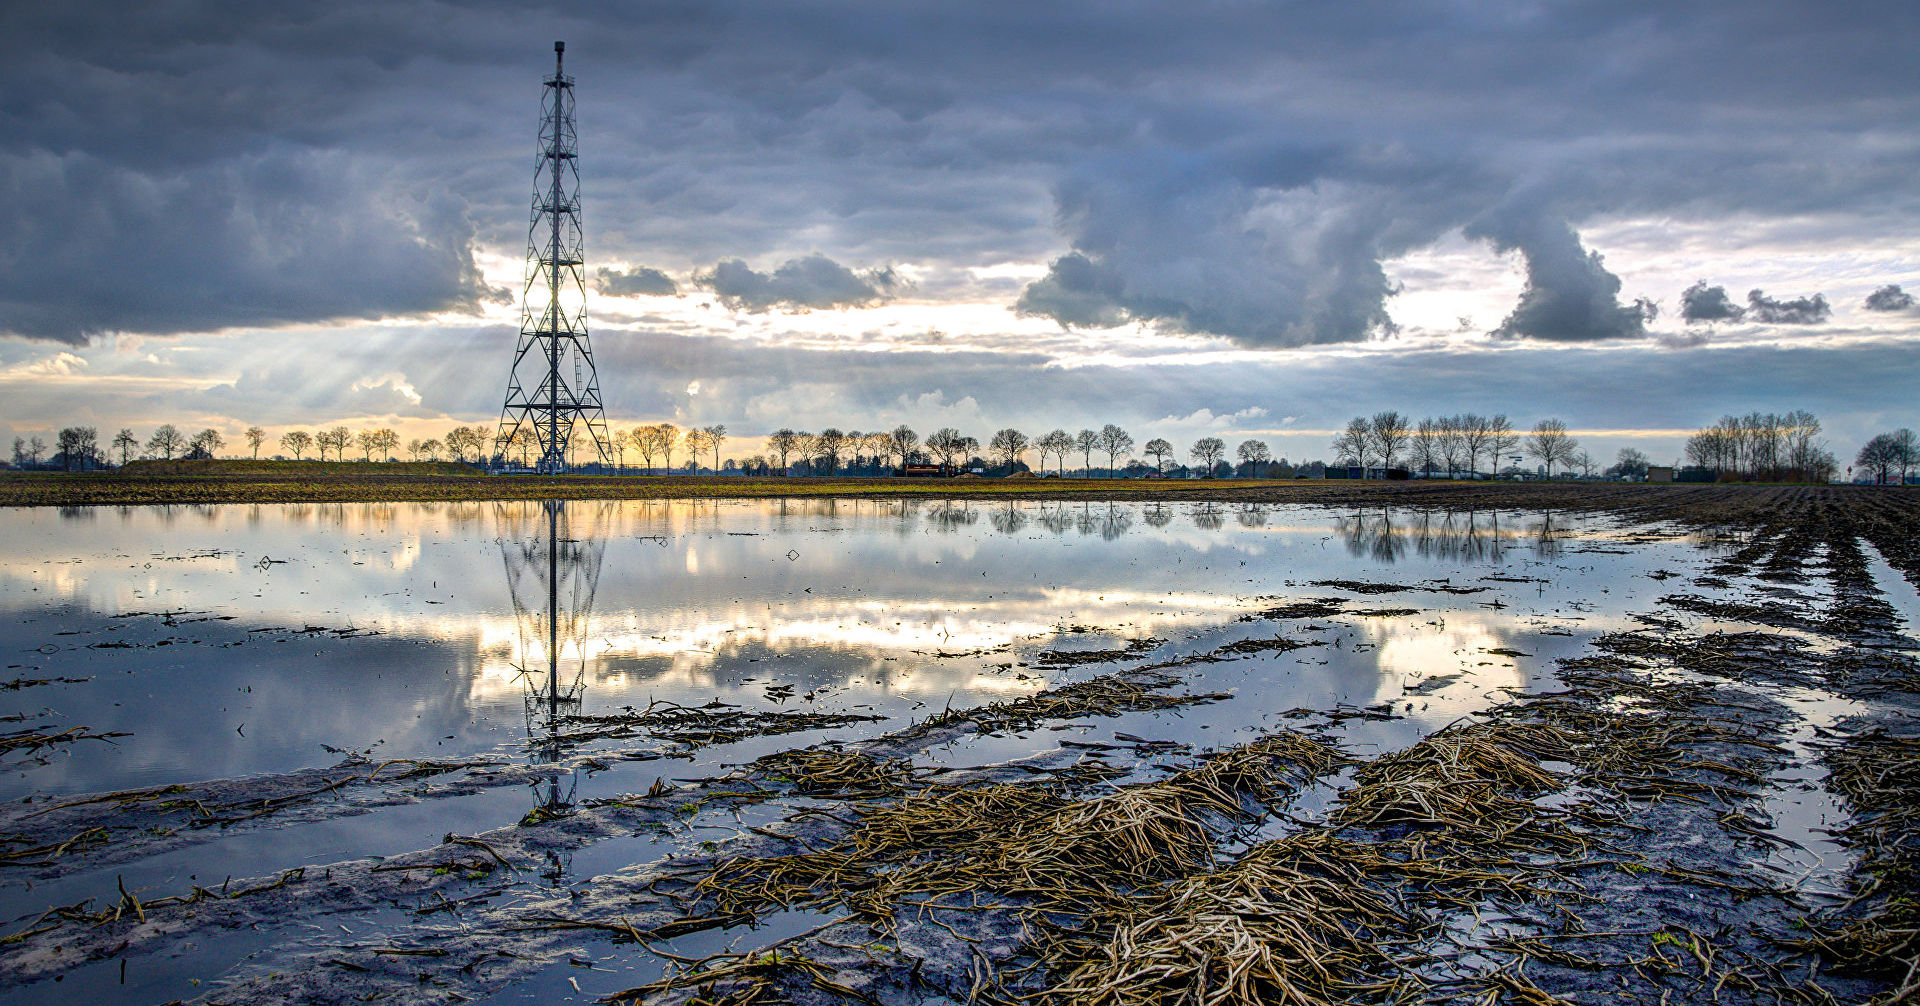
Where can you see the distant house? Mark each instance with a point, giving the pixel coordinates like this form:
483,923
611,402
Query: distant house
1659,473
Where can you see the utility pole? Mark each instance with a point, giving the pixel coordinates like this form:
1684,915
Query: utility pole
553,305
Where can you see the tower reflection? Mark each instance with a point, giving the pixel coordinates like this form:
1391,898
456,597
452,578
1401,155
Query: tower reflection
552,552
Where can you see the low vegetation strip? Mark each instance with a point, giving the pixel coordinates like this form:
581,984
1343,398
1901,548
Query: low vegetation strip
181,482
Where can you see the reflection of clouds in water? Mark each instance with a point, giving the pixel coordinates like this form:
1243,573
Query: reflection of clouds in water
1412,649
877,589
688,642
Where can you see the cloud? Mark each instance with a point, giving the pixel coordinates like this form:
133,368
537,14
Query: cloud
1195,245
1701,302
278,237
642,281
1799,311
815,281
1077,293
1204,420
1570,296
1890,298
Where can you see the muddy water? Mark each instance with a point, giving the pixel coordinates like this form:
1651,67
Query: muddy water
225,643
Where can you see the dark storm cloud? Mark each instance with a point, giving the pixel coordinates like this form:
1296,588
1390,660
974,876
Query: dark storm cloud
1077,293
273,238
1231,169
640,280
815,281
1890,298
1569,296
1701,302
1196,245
1798,311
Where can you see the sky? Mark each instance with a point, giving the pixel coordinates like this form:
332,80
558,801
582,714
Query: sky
1199,219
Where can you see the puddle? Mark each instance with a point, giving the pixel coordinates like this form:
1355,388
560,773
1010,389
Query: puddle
1896,590
230,642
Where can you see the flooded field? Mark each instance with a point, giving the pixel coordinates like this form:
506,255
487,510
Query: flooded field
922,751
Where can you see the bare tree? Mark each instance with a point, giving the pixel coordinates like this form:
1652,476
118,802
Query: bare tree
1117,443
1009,444
716,435
255,437
641,438
1881,456
1906,450
805,447
35,448
365,441
782,442
1424,447
338,438
903,442
1551,443
19,451
166,441
206,442
1159,450
126,443
1354,445
1056,443
1388,434
828,445
945,442
297,441
1476,438
1630,463
1087,441
878,445
431,448
1583,462
666,437
697,440
1502,441
1451,442
414,447
1207,451
1254,453
79,447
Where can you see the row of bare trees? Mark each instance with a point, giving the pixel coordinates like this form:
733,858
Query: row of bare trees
1767,447
1888,457
1456,443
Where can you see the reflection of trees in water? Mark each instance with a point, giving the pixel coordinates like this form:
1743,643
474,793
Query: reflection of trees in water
952,515
1209,517
1009,519
1544,534
1109,523
1449,535
1251,514
1157,515
552,552
1056,517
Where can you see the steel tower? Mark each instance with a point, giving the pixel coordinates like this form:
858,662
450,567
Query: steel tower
553,305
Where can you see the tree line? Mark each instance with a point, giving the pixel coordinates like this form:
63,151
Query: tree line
1754,447
1455,444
